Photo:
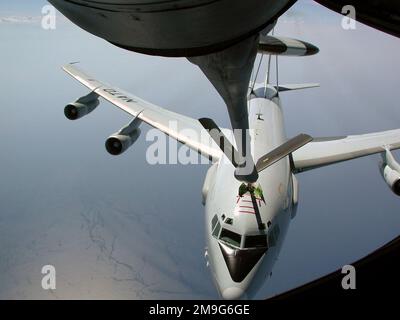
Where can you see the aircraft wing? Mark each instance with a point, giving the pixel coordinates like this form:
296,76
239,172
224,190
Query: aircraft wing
184,129
325,151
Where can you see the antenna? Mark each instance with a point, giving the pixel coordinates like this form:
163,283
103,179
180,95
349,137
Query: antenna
267,76
268,71
258,70
277,75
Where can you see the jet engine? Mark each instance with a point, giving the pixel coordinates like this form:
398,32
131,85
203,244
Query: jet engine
390,170
82,107
120,141
392,178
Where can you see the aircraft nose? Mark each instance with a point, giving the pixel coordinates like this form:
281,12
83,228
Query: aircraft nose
233,293
241,262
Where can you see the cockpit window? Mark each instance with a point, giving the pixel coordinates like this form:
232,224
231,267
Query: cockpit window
258,241
229,221
217,229
214,222
230,237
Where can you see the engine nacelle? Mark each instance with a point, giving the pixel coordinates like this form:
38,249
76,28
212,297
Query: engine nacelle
390,170
392,178
295,196
119,142
82,107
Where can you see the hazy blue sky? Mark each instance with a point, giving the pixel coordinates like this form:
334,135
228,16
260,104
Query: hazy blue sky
120,228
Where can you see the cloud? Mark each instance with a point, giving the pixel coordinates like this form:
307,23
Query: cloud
20,19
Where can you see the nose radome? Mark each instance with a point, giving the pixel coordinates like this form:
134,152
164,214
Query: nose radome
241,262
233,293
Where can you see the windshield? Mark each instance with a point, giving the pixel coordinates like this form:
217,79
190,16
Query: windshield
230,237
258,241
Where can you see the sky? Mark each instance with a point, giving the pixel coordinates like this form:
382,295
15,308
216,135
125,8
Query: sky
119,228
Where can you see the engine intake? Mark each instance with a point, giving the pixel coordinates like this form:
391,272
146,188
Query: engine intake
82,107
119,142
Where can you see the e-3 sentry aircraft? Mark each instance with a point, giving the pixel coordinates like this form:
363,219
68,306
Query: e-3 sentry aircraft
250,192
245,221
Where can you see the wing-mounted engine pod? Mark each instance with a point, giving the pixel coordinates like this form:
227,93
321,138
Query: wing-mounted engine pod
119,142
392,178
295,195
82,107
390,170
396,187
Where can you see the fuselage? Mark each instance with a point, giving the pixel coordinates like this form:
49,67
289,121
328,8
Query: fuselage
179,28
244,236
